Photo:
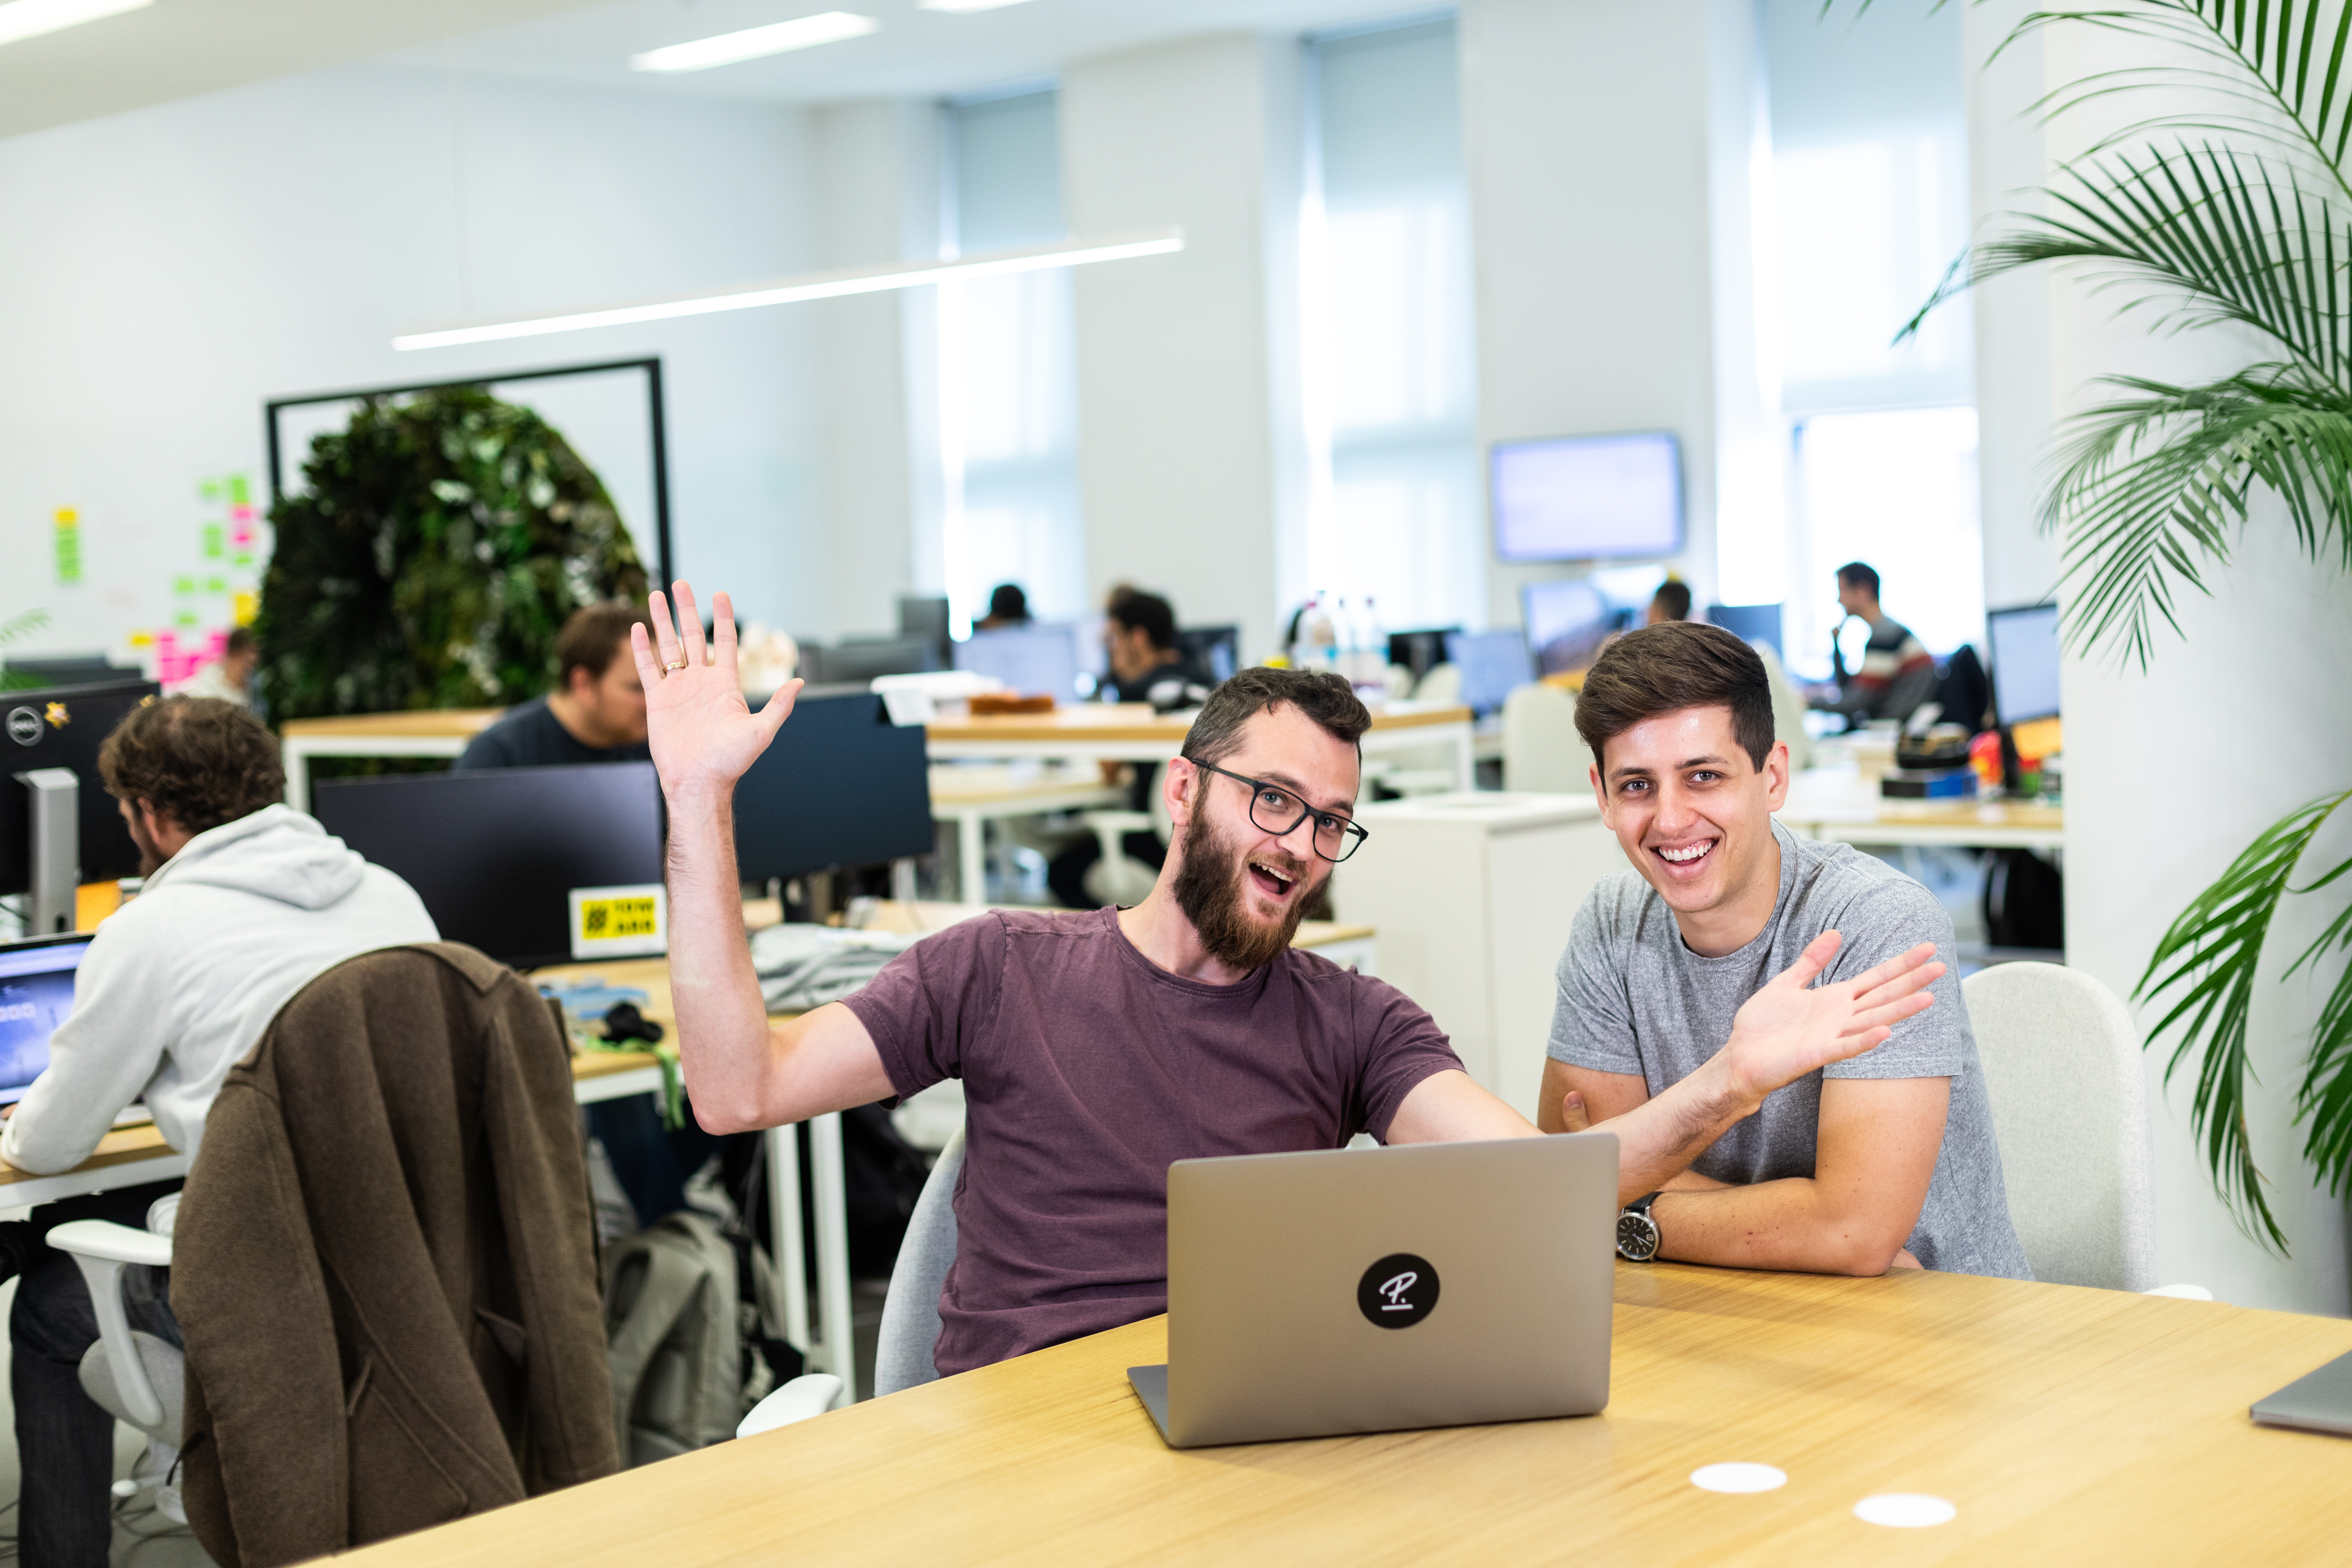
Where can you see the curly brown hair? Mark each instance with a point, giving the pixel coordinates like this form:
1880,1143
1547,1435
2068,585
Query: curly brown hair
198,760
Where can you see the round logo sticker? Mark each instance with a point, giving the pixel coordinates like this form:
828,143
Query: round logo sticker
24,726
1398,1291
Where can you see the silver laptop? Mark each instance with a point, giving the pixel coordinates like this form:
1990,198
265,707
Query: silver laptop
1375,1289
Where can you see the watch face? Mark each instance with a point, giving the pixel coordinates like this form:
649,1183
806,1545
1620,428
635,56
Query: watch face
1637,1236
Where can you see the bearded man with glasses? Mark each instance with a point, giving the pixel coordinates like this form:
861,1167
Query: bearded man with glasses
1096,1047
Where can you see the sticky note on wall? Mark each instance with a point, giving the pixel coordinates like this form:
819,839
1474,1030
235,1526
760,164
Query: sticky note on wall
68,542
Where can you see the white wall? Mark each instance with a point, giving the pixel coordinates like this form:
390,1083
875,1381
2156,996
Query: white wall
168,270
1190,460
2172,772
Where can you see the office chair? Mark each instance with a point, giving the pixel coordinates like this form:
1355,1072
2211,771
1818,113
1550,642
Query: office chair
135,1376
1442,683
2063,1069
1117,878
1542,753
1788,709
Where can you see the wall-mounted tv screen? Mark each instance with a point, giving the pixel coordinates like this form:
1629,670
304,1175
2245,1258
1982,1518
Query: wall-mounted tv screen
1587,497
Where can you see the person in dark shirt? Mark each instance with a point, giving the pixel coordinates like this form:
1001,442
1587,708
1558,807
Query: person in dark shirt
1897,672
1671,602
596,712
1008,609
1098,1047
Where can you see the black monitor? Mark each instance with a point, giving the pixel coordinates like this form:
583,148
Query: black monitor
2025,660
61,727
1419,652
839,785
495,852
1212,651
927,619
860,659
1750,623
81,669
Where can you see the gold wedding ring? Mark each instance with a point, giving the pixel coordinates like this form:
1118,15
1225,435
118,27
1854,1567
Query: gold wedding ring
679,665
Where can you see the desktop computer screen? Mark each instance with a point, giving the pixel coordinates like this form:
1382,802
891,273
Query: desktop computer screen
1493,666
1040,660
839,785
1214,651
2025,658
860,659
927,619
1586,498
62,727
496,854
1749,623
1567,622
36,992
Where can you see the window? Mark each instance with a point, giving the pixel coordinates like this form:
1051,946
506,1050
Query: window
1394,517
1007,372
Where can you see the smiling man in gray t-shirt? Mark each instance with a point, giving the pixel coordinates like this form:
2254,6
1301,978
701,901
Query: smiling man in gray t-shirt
1885,1158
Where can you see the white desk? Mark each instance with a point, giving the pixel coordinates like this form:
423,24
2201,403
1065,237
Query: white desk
1838,803
974,795
1131,732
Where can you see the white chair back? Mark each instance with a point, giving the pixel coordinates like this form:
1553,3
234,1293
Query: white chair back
1439,683
1788,709
2062,1067
1542,754
910,1312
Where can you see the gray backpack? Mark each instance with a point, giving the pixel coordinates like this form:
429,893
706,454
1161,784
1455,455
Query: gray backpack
673,1338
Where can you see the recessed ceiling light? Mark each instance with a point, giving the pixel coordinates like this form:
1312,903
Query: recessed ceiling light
31,18
964,5
727,48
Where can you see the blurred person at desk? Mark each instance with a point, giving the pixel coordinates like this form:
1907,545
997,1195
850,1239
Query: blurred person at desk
1096,1047
1008,609
1885,1158
1671,602
230,676
596,712
247,900
1897,672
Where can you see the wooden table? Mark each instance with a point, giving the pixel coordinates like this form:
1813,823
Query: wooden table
2068,1426
1837,803
1132,733
972,796
429,732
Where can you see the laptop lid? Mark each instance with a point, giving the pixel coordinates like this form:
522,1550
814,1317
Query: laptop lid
2316,1402
36,992
1375,1289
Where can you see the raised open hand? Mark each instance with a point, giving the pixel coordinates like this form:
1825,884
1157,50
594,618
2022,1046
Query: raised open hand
1791,1026
701,731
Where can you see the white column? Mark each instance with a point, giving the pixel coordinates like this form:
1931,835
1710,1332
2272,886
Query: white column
1190,460
877,200
1592,130
2169,773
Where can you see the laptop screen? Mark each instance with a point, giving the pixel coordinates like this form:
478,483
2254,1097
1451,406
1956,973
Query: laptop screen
36,992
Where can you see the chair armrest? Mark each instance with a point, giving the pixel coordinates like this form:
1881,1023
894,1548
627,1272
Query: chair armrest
1111,827
111,1243
811,1395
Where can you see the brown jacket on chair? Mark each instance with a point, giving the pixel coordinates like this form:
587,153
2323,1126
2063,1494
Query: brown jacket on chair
385,1269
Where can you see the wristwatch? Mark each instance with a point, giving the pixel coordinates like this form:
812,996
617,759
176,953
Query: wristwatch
1637,1233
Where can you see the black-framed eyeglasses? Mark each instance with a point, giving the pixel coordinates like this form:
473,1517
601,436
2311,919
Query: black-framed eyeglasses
1277,811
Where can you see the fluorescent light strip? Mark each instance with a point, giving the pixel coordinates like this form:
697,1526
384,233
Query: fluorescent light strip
963,5
818,286
727,48
21,19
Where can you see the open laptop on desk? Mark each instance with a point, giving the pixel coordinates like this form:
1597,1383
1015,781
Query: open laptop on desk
36,992
1375,1290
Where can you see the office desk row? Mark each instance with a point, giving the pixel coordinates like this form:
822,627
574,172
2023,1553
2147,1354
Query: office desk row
2061,1425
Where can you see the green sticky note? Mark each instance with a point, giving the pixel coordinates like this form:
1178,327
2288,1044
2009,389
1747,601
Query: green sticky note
215,585
187,617
237,492
214,540
242,558
183,585
209,490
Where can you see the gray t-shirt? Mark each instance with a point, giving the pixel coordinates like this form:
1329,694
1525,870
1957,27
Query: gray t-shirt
1634,999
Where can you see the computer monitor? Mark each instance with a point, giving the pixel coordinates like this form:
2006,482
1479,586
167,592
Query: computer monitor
1035,660
496,853
839,785
1493,666
1750,623
1419,652
927,619
1587,497
1567,622
83,669
2025,660
860,659
36,992
62,727
1214,651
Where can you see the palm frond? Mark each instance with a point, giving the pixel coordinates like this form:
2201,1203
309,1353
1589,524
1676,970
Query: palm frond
2208,957
10,630
2324,1098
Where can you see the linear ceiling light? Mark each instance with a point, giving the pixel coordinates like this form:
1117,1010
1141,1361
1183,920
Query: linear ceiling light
22,19
727,48
963,5
818,286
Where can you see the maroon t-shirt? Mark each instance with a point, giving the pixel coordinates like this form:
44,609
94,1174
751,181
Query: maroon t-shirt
1087,1070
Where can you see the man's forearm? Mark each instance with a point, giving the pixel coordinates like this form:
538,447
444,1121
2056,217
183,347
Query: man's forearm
1787,1225
1658,1139
722,1024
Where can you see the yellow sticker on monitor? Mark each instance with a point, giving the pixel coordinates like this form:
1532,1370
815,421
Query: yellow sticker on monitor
620,922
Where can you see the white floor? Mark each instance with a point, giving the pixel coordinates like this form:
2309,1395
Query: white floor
143,1537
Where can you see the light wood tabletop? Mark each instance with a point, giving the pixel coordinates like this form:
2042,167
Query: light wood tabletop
433,723
2066,1426
1116,721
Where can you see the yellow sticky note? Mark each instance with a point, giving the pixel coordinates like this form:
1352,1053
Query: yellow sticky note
243,604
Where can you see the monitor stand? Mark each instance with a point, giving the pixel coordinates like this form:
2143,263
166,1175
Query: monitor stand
54,857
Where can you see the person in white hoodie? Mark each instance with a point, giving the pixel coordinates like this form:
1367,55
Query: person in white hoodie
246,901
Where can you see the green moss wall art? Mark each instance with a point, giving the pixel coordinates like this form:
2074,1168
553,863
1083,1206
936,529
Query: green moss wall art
442,541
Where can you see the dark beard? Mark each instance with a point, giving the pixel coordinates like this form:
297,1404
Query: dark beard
151,857
1208,889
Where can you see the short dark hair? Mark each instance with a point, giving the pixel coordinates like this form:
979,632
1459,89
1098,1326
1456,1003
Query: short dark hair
1153,614
592,639
240,641
1676,598
1322,695
1008,603
1855,574
1673,666
197,760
